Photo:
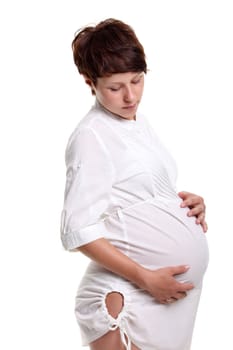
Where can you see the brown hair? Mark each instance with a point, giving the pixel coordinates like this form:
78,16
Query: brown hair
107,48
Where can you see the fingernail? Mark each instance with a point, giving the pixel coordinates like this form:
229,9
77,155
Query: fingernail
187,267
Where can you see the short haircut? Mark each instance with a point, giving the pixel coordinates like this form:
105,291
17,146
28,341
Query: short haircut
107,48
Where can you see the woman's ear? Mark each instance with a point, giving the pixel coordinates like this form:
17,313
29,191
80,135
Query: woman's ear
90,83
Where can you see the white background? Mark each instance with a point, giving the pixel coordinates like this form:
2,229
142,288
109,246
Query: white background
188,99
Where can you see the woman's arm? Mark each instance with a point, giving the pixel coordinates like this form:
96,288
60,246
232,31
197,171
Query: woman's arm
197,207
161,283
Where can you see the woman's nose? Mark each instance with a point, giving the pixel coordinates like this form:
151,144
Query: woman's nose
128,94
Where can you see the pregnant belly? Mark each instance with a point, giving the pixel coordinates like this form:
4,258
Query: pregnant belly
161,234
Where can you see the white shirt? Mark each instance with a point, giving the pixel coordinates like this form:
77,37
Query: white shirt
105,157
121,185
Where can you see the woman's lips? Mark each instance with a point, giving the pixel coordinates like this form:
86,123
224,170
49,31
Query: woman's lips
130,107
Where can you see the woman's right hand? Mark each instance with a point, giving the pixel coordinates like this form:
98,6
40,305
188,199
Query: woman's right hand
160,283
163,286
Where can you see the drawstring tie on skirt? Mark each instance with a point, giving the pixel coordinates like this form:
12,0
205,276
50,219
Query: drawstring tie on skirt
120,323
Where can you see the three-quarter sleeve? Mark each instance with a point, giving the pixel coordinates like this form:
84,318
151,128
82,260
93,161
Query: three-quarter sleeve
89,181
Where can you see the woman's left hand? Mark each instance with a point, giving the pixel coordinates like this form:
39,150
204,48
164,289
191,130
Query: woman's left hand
196,205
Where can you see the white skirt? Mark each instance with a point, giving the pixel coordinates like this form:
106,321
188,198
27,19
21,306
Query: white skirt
155,234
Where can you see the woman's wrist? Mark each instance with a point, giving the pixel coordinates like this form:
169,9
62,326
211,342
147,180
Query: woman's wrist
140,277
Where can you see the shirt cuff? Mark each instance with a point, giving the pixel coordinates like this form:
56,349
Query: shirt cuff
85,235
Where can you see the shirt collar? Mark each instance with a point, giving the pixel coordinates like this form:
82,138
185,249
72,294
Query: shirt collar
127,123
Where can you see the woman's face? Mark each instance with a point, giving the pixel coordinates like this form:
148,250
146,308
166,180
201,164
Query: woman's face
120,93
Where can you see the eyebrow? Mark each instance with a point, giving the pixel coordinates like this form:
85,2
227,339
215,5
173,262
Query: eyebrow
120,82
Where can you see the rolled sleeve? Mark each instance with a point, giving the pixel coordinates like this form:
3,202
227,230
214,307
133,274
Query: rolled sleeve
72,240
89,181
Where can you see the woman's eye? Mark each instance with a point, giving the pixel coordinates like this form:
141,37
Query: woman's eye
136,81
114,89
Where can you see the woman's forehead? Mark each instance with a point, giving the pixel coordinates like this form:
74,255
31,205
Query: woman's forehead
118,78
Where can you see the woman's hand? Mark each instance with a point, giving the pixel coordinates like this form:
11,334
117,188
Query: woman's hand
160,283
197,207
163,286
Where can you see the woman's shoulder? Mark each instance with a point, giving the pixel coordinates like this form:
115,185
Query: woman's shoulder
87,122
90,129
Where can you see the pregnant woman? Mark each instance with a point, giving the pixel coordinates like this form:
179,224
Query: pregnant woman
146,243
